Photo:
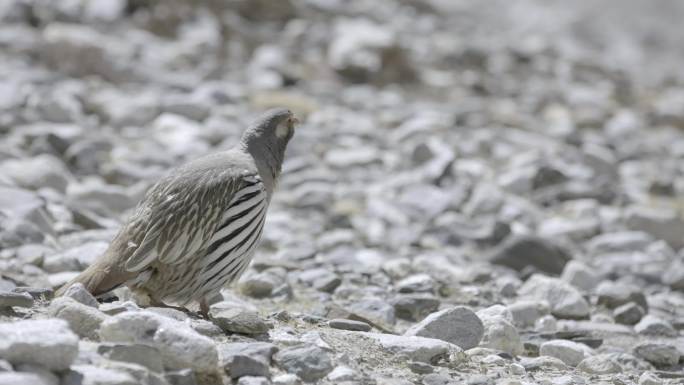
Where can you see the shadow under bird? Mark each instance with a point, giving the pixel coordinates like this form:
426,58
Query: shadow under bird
197,229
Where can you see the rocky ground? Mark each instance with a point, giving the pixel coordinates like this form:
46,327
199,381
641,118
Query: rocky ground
480,192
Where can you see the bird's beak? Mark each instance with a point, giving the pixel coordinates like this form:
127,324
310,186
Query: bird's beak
292,122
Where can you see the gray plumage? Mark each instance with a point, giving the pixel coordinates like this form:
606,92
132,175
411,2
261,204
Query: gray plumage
197,228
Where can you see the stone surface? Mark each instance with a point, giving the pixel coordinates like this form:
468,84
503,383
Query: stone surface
246,359
179,345
654,326
49,343
414,348
571,353
580,275
83,319
660,355
599,364
309,362
10,299
519,252
346,324
459,326
239,320
78,293
499,332
628,314
565,300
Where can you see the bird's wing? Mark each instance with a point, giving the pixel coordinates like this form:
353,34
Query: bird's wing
185,212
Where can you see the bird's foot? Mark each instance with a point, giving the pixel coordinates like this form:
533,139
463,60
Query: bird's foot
204,309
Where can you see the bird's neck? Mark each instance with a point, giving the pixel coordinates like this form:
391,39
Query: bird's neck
269,160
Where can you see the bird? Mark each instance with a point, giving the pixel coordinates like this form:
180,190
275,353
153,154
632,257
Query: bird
196,230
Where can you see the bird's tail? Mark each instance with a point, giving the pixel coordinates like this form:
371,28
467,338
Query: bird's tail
98,278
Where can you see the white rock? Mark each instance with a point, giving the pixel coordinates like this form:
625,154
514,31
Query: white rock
499,332
19,378
580,275
599,364
180,346
342,373
659,354
49,343
565,300
458,325
83,320
571,353
652,325
650,378
526,313
93,375
546,324
414,348
41,171
78,293
661,224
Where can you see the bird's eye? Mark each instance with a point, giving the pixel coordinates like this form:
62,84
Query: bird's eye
285,128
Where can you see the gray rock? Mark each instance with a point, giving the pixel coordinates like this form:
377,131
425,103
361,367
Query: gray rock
499,332
103,198
145,355
613,294
41,171
628,314
437,379
526,313
649,378
261,285
19,378
238,320
374,310
414,307
619,241
83,320
674,276
519,252
93,375
180,377
661,224
580,276
250,380
654,326
542,363
179,345
659,354
416,283
571,353
565,300
78,293
458,325
599,364
342,373
347,324
5,366
309,362
49,343
414,348
46,375
10,299
246,359
286,379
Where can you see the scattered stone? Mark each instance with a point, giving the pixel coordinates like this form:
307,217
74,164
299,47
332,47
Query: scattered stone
674,276
11,299
342,373
599,364
89,374
309,362
661,224
499,332
83,320
659,354
145,355
628,314
458,325
249,380
580,276
41,171
246,359
49,343
526,313
565,300
571,353
414,348
519,252
414,307
78,293
613,294
417,283
649,378
20,378
346,324
374,311
654,326
179,345
239,320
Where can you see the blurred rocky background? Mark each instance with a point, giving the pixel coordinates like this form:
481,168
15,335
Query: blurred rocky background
481,192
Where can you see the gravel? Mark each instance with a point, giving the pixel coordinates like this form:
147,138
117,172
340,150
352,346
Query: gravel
477,195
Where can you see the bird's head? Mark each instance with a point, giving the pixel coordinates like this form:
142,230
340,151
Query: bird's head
267,138
274,127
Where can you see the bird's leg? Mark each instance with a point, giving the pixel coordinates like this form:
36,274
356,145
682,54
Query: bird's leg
204,308
157,303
